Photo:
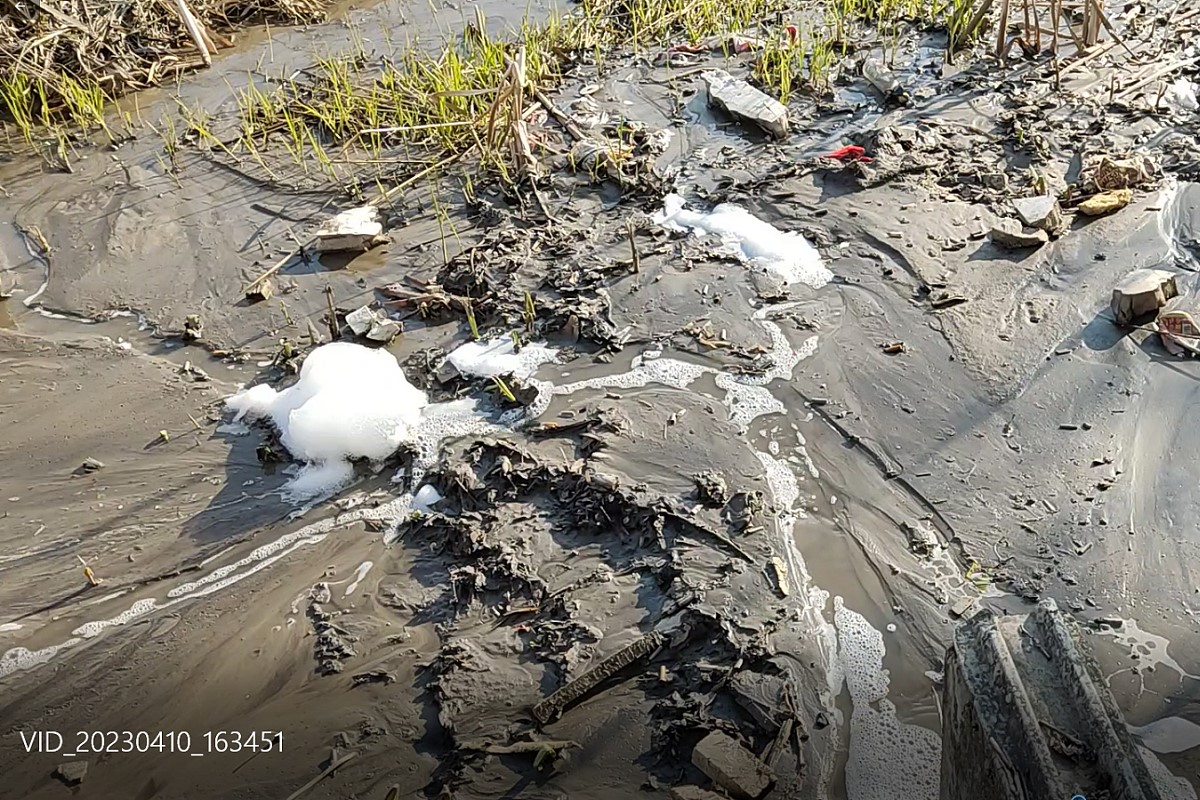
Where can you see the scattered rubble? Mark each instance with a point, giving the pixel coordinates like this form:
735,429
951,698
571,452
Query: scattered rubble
1141,293
741,100
353,230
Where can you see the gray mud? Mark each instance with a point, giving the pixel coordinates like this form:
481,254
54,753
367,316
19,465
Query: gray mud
1019,447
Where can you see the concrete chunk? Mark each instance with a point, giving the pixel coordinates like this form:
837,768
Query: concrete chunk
1042,212
1141,293
1026,691
355,229
1106,202
1009,234
360,320
72,773
731,766
743,101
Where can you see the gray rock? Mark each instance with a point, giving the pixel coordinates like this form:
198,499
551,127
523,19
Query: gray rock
71,772
1141,293
1042,212
1008,234
743,101
731,766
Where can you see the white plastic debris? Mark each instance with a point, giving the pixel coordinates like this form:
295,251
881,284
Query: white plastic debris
499,356
351,402
1182,95
785,254
353,229
743,101
426,498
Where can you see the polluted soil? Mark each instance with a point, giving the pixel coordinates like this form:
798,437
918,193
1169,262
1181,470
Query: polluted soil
756,420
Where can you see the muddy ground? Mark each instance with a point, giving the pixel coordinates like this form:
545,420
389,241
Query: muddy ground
1020,446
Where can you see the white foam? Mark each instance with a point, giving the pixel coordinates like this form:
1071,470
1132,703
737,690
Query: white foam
351,402
785,254
500,357
9,627
887,758
19,659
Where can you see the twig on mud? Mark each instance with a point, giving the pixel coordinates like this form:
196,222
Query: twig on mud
558,114
382,198
637,259
333,765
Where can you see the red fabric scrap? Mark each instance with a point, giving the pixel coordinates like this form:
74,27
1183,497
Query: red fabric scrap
850,152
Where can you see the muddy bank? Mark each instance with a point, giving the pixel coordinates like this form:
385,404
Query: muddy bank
773,501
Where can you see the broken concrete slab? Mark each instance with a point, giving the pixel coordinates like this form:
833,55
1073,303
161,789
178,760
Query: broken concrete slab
741,100
1041,211
1010,234
1141,293
1025,691
731,766
1106,202
355,229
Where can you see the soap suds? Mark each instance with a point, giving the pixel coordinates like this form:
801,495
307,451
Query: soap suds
351,402
786,255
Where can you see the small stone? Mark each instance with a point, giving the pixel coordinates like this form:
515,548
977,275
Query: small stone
384,331
743,101
355,229
962,606
731,766
91,465
71,772
994,180
1008,234
1106,202
1042,212
261,291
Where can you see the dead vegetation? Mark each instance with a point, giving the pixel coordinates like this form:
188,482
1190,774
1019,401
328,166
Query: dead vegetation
65,59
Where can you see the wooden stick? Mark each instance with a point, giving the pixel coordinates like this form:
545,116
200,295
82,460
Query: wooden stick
324,774
193,29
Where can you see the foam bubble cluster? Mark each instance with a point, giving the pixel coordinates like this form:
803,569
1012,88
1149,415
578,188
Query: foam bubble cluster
351,402
888,758
785,254
500,357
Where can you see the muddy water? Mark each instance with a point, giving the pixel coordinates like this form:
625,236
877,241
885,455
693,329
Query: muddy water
201,618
